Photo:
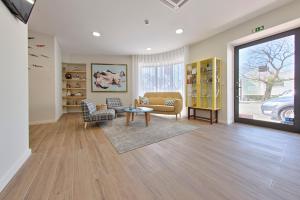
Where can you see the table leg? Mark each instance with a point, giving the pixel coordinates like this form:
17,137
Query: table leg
132,117
146,119
189,112
217,117
211,117
127,118
194,112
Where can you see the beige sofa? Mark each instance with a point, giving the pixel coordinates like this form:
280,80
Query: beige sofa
157,102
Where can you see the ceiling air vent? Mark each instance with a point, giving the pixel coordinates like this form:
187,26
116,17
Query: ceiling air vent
174,4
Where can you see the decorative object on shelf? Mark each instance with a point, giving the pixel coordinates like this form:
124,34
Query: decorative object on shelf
68,85
76,77
69,93
203,85
77,85
68,76
76,68
78,94
33,55
44,56
109,78
40,45
35,66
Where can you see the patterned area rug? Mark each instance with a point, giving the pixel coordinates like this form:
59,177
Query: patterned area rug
126,138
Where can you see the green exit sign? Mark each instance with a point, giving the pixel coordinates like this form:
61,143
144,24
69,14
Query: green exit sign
258,29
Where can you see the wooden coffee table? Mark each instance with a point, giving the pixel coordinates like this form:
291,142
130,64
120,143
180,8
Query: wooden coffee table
130,112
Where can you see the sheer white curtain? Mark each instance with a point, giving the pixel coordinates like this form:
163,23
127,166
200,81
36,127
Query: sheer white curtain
159,72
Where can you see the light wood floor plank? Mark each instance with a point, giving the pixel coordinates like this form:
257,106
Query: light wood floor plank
214,162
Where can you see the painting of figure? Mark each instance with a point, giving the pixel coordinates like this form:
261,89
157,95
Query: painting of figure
109,78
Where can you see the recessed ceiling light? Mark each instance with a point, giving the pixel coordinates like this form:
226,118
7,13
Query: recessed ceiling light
179,31
146,21
148,49
30,1
96,34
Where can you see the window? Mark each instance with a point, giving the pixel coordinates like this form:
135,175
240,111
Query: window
161,72
162,78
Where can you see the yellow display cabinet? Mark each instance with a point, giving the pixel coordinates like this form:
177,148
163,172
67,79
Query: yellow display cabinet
203,84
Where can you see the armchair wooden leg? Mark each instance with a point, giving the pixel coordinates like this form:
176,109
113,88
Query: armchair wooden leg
176,116
85,125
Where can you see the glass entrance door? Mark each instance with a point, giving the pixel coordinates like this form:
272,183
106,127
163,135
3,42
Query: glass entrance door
265,86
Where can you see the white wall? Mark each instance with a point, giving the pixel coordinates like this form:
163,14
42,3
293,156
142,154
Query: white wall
41,79
100,97
58,78
45,101
14,140
218,46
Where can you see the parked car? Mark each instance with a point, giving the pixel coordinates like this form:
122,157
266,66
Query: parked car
279,108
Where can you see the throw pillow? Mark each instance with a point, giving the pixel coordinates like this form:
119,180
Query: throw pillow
144,100
170,102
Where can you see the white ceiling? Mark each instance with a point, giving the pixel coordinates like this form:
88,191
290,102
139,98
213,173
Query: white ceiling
121,22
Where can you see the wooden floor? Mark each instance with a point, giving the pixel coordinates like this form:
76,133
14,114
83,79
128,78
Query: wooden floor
216,162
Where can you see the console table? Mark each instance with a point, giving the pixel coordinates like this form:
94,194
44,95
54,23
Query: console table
211,119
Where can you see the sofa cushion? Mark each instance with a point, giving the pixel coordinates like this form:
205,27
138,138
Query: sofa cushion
161,108
157,101
120,109
103,115
144,100
170,102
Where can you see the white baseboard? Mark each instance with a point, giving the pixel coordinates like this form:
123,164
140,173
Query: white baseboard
46,121
58,117
42,122
14,169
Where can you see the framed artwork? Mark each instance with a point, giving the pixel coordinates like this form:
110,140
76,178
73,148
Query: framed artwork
109,77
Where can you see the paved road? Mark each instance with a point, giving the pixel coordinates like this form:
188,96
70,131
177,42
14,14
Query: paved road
253,109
